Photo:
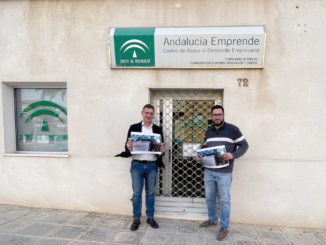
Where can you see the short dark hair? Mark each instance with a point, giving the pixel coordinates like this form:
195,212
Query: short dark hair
217,107
148,106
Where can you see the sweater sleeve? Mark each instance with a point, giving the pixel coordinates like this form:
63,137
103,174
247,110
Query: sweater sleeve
240,142
242,147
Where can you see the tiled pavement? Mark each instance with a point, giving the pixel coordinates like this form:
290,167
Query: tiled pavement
38,226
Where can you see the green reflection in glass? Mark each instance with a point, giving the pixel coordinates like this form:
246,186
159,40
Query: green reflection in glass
45,127
43,112
43,103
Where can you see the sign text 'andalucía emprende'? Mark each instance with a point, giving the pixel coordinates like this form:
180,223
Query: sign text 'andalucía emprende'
188,47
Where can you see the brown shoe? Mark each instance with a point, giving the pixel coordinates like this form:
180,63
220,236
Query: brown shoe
223,234
207,223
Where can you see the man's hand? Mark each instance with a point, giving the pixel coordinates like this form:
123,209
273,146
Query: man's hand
197,157
227,156
162,148
129,144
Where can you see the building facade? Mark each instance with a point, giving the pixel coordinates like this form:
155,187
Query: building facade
65,113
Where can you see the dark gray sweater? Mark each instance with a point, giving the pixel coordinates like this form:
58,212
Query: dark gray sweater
230,136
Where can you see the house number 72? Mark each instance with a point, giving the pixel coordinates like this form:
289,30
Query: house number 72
243,82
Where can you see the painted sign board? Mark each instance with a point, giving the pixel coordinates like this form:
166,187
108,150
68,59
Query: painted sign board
188,47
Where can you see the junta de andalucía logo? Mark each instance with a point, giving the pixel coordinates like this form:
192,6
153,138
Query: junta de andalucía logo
41,109
134,46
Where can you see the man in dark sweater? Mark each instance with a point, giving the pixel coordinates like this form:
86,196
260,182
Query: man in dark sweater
218,179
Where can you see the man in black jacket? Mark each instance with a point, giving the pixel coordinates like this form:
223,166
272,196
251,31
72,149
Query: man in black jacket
144,169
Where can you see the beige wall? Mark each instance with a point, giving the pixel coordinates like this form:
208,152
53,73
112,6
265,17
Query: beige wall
280,181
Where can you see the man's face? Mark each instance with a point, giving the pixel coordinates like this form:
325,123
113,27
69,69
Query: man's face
218,117
148,115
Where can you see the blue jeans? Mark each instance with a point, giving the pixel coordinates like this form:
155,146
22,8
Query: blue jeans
140,172
218,183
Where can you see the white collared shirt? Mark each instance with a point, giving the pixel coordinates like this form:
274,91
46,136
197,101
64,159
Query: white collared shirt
145,157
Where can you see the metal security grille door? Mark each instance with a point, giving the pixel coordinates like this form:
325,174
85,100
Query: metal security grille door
184,116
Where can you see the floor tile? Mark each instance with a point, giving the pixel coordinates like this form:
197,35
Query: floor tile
40,229
99,235
157,238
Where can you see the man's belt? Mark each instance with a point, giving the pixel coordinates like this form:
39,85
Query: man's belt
144,162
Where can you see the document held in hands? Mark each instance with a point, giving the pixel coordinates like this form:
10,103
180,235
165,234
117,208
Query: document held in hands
142,143
212,157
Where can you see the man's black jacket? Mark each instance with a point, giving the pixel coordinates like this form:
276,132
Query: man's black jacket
137,128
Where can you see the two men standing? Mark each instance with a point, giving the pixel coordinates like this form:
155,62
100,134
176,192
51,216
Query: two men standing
217,180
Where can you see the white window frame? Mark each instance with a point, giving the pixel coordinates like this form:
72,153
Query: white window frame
9,120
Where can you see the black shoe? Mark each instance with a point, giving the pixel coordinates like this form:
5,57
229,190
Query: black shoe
135,224
152,223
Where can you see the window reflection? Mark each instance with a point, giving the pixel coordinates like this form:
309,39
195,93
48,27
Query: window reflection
41,120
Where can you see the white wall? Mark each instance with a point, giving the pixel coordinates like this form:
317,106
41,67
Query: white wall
279,181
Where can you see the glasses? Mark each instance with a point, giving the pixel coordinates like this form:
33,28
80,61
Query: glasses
218,115
148,113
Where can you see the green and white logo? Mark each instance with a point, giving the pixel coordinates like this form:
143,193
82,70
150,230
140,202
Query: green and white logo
44,111
134,46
